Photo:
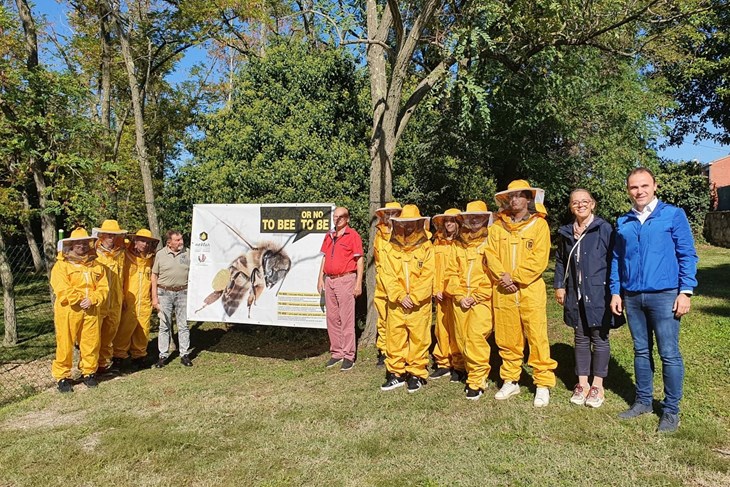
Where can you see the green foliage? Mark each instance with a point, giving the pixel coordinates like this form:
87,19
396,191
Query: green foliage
684,185
569,118
44,118
697,68
293,132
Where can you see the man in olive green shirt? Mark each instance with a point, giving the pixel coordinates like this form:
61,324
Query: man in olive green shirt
170,292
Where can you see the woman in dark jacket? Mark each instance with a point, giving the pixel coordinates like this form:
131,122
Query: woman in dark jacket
582,271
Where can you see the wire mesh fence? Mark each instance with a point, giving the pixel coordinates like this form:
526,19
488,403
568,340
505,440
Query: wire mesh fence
26,353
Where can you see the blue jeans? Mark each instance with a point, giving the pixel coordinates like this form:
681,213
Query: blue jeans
170,300
650,315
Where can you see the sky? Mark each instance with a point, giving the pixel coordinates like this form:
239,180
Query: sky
703,151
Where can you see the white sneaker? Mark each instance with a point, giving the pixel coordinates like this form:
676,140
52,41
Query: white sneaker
542,397
508,390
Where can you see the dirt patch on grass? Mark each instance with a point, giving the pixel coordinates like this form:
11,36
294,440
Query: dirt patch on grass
47,418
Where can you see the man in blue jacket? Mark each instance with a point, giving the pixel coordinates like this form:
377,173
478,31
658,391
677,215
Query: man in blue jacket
653,276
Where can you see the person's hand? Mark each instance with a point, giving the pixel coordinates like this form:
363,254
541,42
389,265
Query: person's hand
681,305
439,296
85,303
156,305
468,302
512,288
505,280
358,289
560,296
406,302
616,305
320,284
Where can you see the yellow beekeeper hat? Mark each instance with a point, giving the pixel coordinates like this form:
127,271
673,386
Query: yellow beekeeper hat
393,207
109,226
144,234
477,206
437,220
538,195
77,235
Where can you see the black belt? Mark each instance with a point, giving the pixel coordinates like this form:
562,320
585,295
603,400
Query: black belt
173,289
335,276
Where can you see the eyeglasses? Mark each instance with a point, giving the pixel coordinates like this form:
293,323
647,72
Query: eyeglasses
577,204
339,217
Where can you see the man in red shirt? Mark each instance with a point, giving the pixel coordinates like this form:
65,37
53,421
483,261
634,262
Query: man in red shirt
340,278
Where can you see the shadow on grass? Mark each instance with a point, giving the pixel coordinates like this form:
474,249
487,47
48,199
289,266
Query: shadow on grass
260,341
710,281
619,380
722,311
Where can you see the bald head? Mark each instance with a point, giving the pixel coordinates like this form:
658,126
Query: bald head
341,218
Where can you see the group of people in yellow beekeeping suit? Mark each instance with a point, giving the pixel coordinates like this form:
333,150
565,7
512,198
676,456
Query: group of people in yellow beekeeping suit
483,271
102,303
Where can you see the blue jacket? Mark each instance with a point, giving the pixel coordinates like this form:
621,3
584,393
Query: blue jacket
656,256
596,249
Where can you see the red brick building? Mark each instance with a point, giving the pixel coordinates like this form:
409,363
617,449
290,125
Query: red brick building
719,175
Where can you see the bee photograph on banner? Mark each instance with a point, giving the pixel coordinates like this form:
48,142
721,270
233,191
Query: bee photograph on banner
257,264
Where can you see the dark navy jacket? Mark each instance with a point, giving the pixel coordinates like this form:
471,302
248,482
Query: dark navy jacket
656,256
596,249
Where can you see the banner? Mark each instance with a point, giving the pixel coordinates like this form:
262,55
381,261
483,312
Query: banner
258,264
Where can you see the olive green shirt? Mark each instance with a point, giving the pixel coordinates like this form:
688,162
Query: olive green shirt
171,269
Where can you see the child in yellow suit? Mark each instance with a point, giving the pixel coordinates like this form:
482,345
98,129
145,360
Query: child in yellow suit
381,246
447,356
134,327
517,254
110,254
408,281
81,288
471,289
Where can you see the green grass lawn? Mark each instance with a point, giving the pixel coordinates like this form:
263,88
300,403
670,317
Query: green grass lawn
258,408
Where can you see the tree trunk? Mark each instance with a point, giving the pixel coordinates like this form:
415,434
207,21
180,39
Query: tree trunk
38,263
381,187
390,114
38,164
139,130
105,95
6,277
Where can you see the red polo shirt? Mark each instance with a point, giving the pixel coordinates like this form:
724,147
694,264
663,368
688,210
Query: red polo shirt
341,253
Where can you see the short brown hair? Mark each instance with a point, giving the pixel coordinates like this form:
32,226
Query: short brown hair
640,170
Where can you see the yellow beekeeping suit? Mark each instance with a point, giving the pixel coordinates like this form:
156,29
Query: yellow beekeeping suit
74,280
467,278
407,271
134,328
521,249
381,245
446,352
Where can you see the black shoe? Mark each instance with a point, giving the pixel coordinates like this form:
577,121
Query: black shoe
347,365
116,365
185,360
160,363
392,381
64,385
668,423
102,370
381,359
439,372
415,383
332,362
90,381
457,376
636,410
139,363
473,394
